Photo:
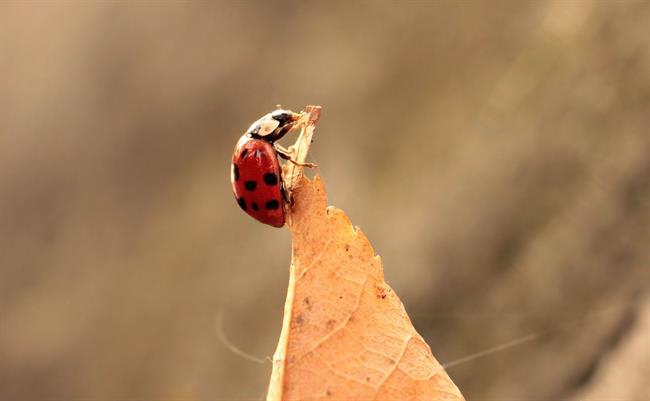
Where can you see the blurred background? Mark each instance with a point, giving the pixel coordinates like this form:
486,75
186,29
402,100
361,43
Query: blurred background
497,154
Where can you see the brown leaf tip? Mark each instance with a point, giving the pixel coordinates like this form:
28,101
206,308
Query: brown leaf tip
346,334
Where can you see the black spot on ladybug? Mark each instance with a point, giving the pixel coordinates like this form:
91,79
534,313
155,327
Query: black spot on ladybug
235,172
243,153
250,185
254,206
242,203
272,204
270,179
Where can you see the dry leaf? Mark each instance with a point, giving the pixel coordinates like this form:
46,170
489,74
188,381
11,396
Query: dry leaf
346,335
292,173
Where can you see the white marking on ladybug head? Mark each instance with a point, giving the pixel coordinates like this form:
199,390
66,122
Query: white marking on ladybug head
273,125
232,173
267,125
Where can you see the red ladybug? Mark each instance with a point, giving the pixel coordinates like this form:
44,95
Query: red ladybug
256,175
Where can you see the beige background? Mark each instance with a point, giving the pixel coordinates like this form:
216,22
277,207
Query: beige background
497,154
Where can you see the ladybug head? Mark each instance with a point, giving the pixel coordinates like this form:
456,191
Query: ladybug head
274,125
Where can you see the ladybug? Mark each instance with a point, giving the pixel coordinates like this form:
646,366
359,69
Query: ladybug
256,175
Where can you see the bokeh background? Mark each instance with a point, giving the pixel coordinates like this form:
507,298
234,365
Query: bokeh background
497,154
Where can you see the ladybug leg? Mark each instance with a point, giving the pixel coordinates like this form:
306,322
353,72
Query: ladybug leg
286,155
286,196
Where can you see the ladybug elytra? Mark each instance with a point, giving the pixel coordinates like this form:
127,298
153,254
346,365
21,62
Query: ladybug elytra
256,175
